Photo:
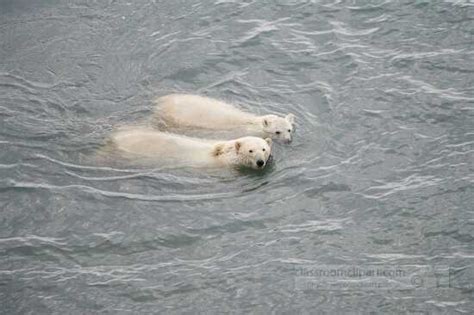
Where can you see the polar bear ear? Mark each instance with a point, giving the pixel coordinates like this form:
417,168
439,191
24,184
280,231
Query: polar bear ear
219,149
265,122
269,141
237,146
290,118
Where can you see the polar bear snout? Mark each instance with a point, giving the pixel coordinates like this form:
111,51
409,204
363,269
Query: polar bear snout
260,163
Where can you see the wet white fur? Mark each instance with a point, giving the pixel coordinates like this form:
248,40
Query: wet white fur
194,111
144,143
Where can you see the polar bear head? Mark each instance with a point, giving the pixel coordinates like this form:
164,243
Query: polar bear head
279,128
250,152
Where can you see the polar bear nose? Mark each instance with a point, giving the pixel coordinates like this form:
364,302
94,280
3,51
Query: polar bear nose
260,163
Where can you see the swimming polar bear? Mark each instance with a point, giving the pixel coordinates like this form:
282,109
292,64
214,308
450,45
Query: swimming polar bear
178,111
152,145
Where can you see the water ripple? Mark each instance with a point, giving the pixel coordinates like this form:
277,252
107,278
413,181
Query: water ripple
114,194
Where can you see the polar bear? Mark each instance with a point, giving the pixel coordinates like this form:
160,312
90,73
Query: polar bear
184,111
180,151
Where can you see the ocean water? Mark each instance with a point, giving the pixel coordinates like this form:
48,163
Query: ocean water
368,210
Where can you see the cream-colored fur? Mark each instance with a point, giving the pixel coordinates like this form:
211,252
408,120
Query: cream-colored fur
184,111
181,151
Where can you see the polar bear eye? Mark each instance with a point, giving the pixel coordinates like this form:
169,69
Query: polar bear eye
277,132
250,151
289,130
263,149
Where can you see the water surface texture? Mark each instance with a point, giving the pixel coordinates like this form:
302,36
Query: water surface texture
380,172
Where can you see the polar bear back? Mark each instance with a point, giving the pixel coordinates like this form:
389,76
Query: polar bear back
150,144
198,111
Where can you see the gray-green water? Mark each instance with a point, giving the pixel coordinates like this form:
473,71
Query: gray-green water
380,174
